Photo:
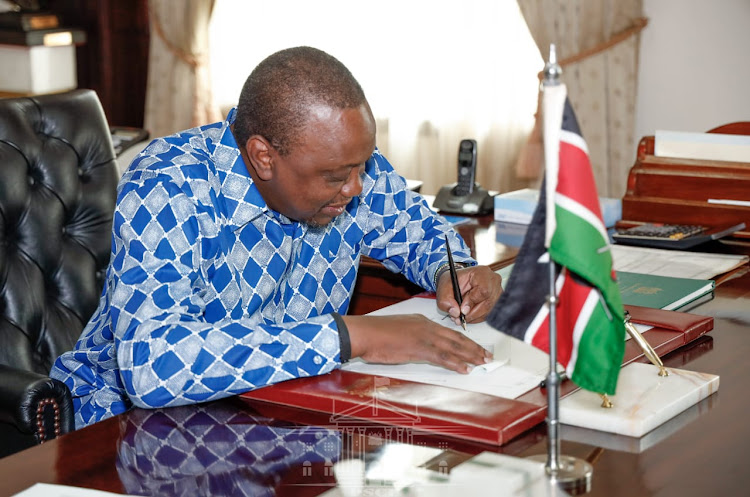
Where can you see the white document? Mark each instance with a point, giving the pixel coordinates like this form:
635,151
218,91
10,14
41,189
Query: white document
702,146
518,367
49,490
726,201
674,263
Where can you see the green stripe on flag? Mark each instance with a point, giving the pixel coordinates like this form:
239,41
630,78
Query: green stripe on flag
575,245
600,353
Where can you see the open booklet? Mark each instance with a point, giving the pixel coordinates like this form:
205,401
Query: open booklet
674,263
517,368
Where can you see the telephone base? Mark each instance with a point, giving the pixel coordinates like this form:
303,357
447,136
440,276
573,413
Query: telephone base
478,202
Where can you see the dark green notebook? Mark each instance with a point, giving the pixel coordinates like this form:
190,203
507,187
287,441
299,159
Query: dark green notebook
661,292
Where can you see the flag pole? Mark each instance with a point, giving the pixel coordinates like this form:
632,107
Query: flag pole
552,72
569,473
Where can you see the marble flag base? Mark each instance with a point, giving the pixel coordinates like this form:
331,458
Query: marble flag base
636,445
644,400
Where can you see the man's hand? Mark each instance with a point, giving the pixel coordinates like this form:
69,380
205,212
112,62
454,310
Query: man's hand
412,338
480,289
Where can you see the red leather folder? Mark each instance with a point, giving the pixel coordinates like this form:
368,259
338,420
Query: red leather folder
352,400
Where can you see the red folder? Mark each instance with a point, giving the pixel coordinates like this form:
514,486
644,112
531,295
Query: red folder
354,399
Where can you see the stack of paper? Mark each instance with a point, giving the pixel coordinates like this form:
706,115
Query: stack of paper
704,146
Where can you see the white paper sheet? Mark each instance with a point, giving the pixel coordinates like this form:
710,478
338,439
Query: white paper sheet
518,367
675,263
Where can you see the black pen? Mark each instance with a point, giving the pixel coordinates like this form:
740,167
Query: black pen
454,280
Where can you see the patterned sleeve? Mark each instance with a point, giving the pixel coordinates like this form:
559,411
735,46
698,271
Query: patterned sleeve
402,230
177,341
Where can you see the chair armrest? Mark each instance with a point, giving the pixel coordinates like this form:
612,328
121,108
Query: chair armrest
35,404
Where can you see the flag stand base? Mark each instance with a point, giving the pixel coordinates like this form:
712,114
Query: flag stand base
644,400
573,475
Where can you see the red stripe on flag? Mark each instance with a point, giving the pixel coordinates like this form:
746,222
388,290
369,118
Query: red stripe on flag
572,297
540,336
575,179
575,296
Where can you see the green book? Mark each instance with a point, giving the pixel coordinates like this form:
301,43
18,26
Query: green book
661,292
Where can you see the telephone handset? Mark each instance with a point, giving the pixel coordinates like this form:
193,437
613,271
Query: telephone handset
465,196
467,166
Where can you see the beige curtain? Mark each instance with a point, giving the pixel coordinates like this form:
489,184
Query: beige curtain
597,44
178,95
438,72
429,151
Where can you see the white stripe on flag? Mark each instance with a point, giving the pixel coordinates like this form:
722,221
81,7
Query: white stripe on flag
574,139
533,328
584,213
583,319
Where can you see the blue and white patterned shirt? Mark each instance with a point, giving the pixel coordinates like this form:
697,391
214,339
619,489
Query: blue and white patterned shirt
210,293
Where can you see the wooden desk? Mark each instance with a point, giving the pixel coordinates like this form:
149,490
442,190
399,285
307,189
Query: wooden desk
703,451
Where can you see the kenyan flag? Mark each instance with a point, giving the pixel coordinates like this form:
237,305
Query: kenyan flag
590,329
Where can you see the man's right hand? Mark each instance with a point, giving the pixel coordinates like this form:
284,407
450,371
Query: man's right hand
412,338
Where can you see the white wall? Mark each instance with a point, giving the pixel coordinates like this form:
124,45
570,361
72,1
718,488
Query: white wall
694,65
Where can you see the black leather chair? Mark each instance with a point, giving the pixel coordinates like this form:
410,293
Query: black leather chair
58,181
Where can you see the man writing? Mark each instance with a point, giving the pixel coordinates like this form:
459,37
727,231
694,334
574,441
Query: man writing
236,246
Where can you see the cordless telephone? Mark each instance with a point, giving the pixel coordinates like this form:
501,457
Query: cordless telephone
465,196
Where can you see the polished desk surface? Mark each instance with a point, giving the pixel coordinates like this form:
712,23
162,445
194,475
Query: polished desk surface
228,448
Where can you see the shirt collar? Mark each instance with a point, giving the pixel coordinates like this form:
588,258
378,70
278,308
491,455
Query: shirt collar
243,200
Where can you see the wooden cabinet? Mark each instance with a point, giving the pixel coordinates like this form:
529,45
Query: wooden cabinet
114,59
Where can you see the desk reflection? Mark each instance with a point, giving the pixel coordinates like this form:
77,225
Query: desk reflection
219,450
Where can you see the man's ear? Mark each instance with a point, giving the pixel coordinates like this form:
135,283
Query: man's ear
259,154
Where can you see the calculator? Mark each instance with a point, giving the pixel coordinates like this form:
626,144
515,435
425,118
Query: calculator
672,236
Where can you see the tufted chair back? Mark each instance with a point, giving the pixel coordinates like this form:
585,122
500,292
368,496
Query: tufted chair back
58,180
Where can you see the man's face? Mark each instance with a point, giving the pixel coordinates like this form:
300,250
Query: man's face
323,172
